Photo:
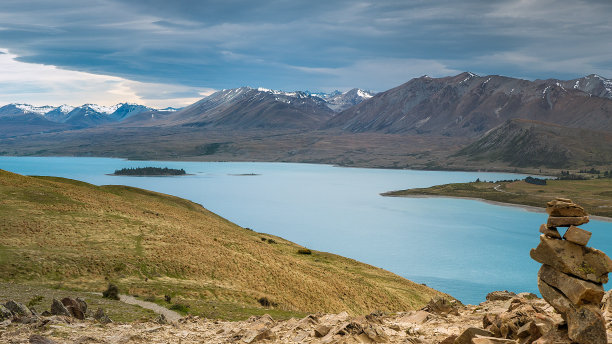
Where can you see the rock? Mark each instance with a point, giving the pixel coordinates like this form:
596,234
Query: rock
58,308
577,235
83,304
583,262
559,302
471,333
74,307
375,333
527,296
17,308
418,317
492,340
564,208
566,221
256,336
606,304
585,325
449,340
38,339
161,319
100,316
5,313
550,231
500,295
321,331
441,305
576,290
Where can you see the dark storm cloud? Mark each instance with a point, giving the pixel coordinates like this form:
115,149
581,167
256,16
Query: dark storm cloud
310,45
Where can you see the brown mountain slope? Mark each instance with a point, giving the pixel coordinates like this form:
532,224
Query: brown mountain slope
249,108
54,230
531,143
469,105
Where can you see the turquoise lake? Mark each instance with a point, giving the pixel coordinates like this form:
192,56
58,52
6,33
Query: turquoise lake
466,248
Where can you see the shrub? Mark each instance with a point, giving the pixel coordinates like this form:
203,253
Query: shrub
168,298
271,241
265,302
34,301
112,292
180,307
304,251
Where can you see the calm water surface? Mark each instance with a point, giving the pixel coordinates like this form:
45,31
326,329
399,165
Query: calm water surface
463,247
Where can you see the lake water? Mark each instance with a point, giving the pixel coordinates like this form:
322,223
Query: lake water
465,248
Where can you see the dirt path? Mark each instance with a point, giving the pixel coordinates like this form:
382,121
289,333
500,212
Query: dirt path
170,315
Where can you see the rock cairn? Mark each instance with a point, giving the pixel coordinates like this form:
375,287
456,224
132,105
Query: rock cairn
572,274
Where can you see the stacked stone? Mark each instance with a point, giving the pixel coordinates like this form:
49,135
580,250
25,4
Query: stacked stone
572,274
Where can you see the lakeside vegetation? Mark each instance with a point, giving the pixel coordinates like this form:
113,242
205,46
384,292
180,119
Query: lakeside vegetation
64,234
595,195
149,171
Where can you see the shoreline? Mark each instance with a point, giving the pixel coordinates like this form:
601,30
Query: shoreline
525,207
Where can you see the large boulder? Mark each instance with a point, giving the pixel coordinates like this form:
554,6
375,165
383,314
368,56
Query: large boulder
576,290
583,262
564,208
17,308
585,325
74,307
58,308
557,300
500,295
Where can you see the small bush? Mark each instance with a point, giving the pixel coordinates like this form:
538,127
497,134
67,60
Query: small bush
263,239
265,302
112,292
179,307
271,241
304,251
168,298
34,301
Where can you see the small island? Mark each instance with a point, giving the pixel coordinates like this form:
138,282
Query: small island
149,171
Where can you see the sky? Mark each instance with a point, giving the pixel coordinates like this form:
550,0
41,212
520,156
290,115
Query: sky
171,53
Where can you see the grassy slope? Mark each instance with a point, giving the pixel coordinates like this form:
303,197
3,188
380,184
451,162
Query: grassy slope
594,195
58,230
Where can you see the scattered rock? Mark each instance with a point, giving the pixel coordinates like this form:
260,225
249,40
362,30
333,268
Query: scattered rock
256,336
558,221
83,304
577,235
101,317
38,339
491,340
441,305
321,331
550,231
5,313
17,308
58,308
471,333
500,295
161,319
528,296
74,307
585,325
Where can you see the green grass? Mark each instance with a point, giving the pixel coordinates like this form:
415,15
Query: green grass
587,193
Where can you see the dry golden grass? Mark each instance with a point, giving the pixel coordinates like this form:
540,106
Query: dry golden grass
150,244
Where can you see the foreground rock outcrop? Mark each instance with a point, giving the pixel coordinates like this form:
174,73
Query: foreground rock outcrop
572,274
503,318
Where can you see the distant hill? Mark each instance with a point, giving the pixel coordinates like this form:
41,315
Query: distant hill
525,143
469,105
58,230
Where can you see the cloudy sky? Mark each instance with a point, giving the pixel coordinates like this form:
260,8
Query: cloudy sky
171,53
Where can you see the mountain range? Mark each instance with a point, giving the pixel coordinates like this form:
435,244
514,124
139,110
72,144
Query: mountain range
451,122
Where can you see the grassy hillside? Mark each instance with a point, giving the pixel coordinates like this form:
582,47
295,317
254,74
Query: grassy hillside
60,232
595,195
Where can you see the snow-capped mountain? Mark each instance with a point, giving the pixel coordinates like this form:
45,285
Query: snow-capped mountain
592,84
252,108
341,101
59,114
